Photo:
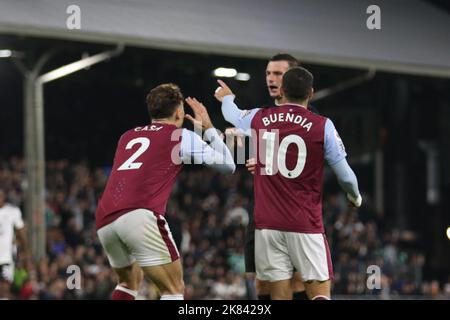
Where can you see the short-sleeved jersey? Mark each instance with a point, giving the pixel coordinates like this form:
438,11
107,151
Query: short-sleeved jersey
145,168
10,220
289,171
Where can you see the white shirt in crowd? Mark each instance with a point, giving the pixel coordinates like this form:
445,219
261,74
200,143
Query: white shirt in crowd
10,220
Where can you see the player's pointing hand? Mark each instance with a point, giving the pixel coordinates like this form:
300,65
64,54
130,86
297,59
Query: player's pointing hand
222,91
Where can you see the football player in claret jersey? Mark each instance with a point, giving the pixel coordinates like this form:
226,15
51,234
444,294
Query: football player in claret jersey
130,214
275,69
292,144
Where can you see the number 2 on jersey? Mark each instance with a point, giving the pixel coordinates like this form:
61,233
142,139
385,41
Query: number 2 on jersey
281,155
129,164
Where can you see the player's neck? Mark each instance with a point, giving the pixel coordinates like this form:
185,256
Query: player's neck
303,104
164,121
300,104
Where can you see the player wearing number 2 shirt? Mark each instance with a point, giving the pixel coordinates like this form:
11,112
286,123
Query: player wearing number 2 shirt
130,214
291,146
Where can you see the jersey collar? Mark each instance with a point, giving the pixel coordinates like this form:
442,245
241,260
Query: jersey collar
292,104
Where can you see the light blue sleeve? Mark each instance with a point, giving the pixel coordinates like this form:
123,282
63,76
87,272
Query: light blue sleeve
346,178
216,154
333,146
192,147
241,119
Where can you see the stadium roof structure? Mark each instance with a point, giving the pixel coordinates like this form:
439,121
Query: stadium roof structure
413,37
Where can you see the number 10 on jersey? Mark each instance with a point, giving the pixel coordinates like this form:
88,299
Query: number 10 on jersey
271,155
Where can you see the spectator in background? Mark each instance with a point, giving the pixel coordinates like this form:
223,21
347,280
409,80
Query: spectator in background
11,227
237,215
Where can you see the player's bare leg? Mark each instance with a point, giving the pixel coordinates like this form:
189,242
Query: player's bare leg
281,290
130,276
129,279
262,289
168,278
318,290
297,283
298,288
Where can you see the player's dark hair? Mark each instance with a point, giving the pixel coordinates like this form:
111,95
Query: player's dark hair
292,61
297,84
163,100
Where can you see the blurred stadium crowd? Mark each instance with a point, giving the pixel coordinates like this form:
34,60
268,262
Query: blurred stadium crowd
207,214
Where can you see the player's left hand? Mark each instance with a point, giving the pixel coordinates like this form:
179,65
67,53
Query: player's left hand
201,117
354,202
222,91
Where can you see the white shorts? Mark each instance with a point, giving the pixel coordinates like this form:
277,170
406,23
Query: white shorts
139,235
278,252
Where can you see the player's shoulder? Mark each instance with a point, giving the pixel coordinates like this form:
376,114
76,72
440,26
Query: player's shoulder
130,132
10,208
187,134
319,116
312,115
264,110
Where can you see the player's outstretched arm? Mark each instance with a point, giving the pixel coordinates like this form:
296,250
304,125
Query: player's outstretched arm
241,119
216,154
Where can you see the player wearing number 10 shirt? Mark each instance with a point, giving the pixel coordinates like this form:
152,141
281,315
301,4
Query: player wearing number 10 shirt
291,145
130,214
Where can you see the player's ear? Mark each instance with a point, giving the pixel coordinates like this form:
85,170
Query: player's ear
311,94
179,112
